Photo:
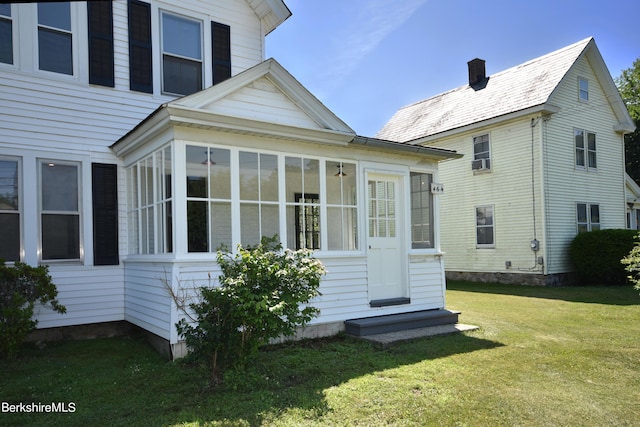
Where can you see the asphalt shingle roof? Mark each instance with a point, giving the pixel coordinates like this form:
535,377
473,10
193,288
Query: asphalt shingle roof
523,86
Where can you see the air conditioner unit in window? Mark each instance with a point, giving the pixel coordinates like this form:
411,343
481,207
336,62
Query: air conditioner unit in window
481,164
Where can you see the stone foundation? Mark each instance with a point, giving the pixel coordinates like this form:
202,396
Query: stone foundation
531,279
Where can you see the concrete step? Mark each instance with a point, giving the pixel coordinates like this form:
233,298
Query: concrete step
399,322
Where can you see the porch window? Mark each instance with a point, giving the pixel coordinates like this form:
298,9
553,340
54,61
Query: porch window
55,37
585,143
421,211
59,210
150,204
208,199
259,207
485,233
6,34
9,210
342,211
588,217
302,177
181,55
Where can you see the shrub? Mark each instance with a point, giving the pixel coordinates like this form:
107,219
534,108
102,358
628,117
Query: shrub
632,263
21,286
261,296
596,256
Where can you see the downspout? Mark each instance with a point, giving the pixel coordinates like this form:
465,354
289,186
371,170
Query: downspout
544,193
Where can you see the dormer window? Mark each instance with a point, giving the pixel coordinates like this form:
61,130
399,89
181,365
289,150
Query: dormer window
181,55
583,89
55,37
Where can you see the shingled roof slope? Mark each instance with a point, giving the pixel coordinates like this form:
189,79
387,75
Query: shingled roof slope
524,86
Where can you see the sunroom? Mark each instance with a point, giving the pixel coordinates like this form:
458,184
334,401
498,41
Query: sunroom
258,155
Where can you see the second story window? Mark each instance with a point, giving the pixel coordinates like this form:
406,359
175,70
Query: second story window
481,154
6,34
585,143
181,55
55,37
583,89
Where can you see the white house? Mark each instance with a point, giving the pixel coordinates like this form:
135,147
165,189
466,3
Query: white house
137,137
544,146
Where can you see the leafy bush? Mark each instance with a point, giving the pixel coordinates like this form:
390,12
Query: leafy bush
632,263
260,297
596,256
21,286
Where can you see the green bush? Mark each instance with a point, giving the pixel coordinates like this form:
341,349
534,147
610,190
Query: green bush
263,294
632,263
596,256
21,286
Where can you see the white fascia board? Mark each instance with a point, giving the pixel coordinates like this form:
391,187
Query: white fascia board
546,109
145,131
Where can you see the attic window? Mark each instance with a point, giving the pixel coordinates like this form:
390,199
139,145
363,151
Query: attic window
583,89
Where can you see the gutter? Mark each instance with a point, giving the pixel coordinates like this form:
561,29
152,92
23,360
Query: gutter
405,147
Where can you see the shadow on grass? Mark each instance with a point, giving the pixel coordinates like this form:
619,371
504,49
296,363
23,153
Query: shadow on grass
295,377
611,295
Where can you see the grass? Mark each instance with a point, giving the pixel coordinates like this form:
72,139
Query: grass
542,357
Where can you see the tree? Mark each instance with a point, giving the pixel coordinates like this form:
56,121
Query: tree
629,86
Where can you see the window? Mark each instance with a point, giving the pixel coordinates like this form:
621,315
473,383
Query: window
259,209
59,210
481,154
342,212
583,89
100,25
104,179
302,178
221,51
149,204
485,227
421,211
6,34
181,55
9,210
55,37
208,199
140,68
585,150
588,217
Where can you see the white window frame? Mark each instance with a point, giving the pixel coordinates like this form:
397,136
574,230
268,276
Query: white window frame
585,154
432,230
78,212
481,160
14,36
589,224
75,36
203,45
492,227
19,210
583,89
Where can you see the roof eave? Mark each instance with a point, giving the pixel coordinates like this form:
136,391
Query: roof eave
386,145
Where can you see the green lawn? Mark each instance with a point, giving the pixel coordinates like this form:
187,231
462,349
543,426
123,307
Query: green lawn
542,356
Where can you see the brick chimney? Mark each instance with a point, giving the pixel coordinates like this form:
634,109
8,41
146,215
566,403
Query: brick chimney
477,72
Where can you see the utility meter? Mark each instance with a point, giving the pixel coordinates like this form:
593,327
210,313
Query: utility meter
535,245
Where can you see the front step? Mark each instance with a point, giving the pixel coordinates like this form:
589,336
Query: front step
400,322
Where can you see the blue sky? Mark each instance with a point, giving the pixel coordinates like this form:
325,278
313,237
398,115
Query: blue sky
364,59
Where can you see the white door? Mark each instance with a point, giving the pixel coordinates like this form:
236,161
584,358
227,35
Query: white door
386,270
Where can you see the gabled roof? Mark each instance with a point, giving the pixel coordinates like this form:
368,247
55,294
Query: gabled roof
524,89
271,12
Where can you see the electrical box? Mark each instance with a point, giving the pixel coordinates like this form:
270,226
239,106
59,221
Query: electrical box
535,245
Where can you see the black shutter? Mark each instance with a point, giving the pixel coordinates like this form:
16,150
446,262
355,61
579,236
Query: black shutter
100,23
140,67
221,51
105,214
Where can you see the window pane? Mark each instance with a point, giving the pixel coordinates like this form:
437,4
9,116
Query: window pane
181,76
311,176
197,226
6,41
8,185
268,178
334,182
421,213
5,9
10,241
582,212
60,237
55,15
197,158
59,187
220,173
595,214
579,137
54,50
248,176
249,224
221,226
293,178
270,220
181,36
